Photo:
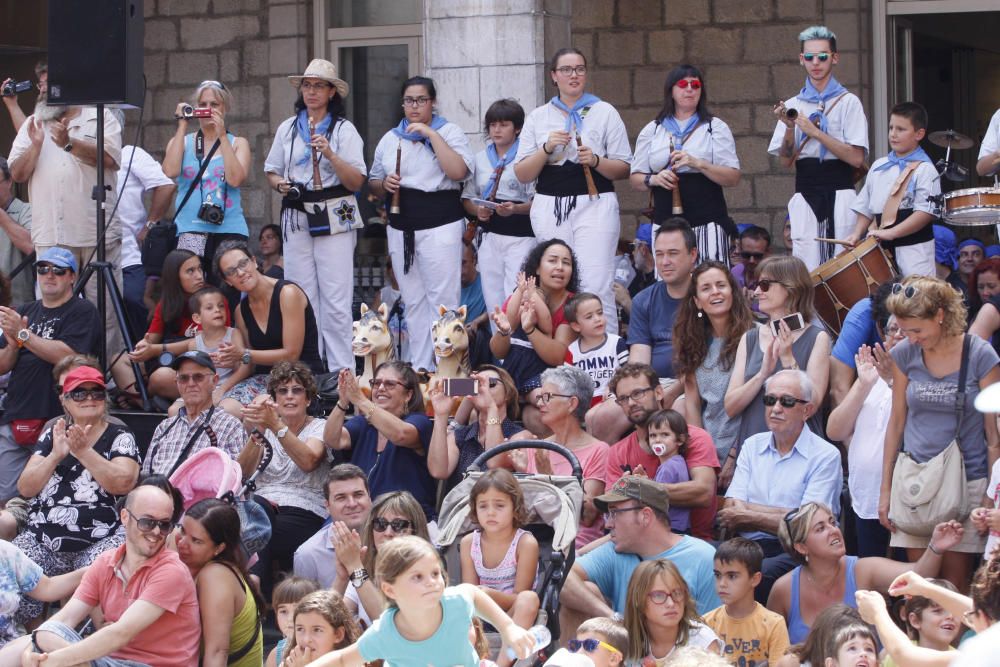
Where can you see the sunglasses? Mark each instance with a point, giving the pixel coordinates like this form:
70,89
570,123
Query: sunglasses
909,291
786,401
684,83
388,384
660,597
210,83
793,514
44,270
765,284
184,378
398,525
822,57
81,395
752,255
147,525
589,645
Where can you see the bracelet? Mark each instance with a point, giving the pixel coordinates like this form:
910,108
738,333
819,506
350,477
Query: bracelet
341,406
598,163
371,411
646,180
545,151
528,333
930,545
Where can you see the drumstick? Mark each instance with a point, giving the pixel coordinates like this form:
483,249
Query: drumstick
394,208
678,206
837,241
591,188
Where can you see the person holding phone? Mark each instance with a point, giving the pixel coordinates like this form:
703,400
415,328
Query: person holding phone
789,340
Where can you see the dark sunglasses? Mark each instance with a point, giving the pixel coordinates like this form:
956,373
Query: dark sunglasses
147,525
786,401
684,83
752,255
81,395
765,284
589,645
398,525
45,269
909,291
822,57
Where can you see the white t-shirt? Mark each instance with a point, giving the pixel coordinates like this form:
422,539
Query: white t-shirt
600,362
345,142
146,174
924,183
991,140
603,132
709,141
510,188
847,123
864,455
993,493
419,167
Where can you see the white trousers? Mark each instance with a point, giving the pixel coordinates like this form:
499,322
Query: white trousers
917,259
434,279
592,231
500,260
323,266
805,227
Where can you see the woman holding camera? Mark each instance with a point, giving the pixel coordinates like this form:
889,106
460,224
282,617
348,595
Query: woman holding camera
317,164
209,167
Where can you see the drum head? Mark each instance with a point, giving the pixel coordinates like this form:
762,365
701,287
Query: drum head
973,217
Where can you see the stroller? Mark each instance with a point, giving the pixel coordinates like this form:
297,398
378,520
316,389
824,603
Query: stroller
554,506
211,473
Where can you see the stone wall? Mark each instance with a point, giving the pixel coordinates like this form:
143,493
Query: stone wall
747,52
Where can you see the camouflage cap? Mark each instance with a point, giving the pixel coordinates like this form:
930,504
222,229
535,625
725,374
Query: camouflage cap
642,489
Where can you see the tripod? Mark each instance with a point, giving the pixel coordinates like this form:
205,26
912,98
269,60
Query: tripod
106,277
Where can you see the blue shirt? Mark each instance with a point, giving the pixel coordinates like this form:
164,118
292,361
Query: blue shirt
652,323
213,185
859,329
811,471
472,299
449,645
610,571
18,575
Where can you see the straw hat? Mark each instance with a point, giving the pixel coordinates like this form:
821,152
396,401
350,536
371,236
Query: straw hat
325,70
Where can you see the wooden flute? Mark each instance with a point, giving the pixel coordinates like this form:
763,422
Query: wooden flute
678,206
317,177
394,208
591,187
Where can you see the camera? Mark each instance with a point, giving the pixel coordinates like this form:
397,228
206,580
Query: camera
12,88
295,191
211,213
791,114
188,111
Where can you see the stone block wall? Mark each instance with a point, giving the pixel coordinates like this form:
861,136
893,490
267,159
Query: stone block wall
747,51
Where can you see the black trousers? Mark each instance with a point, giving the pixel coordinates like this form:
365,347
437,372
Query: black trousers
290,527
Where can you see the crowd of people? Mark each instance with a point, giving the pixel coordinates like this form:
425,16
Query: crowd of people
754,481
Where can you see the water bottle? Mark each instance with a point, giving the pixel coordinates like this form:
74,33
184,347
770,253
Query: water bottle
542,638
624,271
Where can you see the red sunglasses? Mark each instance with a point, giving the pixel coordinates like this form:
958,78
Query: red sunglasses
694,83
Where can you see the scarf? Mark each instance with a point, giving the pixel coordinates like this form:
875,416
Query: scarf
302,126
680,134
810,94
893,160
573,117
498,164
437,122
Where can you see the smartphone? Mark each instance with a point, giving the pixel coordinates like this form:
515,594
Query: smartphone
460,386
794,322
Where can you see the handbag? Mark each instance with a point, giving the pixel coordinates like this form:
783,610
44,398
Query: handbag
333,216
925,494
26,431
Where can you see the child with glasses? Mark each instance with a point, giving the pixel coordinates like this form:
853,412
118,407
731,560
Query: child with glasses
602,640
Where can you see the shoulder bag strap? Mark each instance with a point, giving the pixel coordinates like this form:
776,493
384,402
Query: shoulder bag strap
197,179
826,111
191,441
963,373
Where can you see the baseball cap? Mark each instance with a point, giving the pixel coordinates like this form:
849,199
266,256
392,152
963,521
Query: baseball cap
644,234
197,356
82,375
646,491
58,257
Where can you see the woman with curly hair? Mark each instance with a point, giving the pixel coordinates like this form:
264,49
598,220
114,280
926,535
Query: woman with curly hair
710,324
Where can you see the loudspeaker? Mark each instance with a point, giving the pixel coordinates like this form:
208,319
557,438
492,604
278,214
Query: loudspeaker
95,52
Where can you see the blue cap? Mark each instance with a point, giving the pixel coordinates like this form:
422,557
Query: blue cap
644,233
945,252
743,226
992,251
58,257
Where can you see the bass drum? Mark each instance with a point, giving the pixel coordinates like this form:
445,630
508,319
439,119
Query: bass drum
972,207
854,274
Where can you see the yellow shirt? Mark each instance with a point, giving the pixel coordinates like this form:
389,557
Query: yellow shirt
760,636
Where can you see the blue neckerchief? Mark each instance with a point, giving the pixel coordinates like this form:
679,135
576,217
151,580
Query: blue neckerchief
437,122
810,94
680,134
893,160
302,125
496,163
573,117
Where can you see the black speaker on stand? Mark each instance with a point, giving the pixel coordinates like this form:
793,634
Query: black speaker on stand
96,58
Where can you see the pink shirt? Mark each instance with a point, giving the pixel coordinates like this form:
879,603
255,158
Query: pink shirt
594,461
163,580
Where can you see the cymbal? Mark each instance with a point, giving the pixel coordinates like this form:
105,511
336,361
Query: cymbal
950,139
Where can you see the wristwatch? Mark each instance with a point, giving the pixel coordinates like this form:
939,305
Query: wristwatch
359,577
282,432
492,421
68,147
22,337
245,359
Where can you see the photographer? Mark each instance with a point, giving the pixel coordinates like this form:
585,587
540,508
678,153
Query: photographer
208,208
317,163
11,88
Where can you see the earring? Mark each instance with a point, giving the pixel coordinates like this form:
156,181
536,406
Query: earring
701,314
807,559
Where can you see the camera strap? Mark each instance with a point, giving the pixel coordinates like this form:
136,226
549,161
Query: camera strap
199,150
199,153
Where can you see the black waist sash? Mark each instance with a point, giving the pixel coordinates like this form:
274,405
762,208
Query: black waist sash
567,179
309,196
922,235
702,199
818,182
421,210
518,224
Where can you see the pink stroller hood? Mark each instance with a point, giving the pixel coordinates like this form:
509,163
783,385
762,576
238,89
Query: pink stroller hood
209,473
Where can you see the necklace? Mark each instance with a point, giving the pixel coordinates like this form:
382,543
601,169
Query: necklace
833,581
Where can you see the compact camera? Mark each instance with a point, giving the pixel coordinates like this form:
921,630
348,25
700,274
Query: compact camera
188,111
211,213
13,88
295,191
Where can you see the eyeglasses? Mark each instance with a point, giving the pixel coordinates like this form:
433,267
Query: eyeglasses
660,597
81,395
566,70
909,291
184,378
398,525
147,525
388,384
611,514
295,390
893,330
211,83
695,84
752,255
635,396
241,266
589,645
320,85
822,57
548,396
415,101
786,401
765,284
45,269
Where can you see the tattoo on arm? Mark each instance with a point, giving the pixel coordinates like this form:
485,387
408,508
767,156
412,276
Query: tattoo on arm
787,149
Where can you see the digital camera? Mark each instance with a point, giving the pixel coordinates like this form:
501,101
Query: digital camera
188,111
12,88
295,191
211,213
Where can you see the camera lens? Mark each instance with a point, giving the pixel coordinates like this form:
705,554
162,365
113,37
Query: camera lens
294,192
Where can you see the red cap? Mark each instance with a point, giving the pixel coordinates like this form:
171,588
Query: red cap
82,375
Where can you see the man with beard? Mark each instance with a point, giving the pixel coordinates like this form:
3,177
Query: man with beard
638,392
55,153
143,591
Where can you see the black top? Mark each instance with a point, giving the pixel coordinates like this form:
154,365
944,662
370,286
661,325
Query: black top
271,339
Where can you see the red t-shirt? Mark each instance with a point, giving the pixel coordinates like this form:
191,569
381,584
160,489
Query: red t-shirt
187,328
163,580
700,453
